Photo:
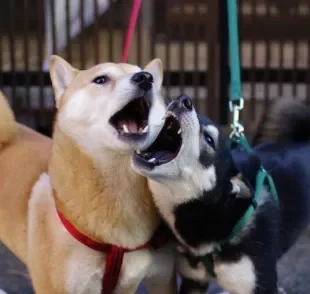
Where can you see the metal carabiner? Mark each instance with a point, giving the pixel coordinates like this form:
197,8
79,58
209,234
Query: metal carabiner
237,127
234,106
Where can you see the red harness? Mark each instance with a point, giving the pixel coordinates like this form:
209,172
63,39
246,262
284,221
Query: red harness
114,253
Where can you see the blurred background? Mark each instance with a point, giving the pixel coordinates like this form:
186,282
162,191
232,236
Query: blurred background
190,36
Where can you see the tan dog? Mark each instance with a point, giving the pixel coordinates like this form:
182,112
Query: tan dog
100,121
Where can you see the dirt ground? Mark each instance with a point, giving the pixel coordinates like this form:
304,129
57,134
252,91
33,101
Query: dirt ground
294,271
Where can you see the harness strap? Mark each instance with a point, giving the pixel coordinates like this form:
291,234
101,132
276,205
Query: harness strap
262,177
208,262
114,254
113,265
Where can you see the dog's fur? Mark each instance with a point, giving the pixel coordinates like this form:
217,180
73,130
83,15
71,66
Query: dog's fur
88,165
206,188
8,129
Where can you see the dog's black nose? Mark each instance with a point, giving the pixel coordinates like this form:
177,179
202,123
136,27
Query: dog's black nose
185,102
143,79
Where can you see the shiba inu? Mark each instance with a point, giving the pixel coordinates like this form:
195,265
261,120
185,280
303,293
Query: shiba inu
71,206
203,189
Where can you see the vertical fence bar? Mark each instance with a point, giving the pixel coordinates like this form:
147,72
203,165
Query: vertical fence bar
111,18
281,63
168,47
308,65
181,46
26,52
40,47
68,33
125,21
213,67
153,32
52,3
253,97
139,39
12,32
96,33
1,54
223,60
294,51
196,59
82,35
268,60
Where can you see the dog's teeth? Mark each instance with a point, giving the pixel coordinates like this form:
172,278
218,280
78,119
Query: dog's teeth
138,152
167,115
179,131
145,129
125,128
152,160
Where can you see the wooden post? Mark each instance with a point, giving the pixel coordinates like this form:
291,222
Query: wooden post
217,83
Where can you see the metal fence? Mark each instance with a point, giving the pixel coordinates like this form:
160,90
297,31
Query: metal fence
190,36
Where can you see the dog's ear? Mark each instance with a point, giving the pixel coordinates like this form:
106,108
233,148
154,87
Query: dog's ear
62,74
155,67
239,189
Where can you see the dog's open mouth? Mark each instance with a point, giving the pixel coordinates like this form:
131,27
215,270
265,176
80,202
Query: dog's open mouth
131,121
166,146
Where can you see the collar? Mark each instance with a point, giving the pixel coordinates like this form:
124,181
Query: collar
114,254
263,180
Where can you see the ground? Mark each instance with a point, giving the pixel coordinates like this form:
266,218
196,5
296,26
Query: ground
294,271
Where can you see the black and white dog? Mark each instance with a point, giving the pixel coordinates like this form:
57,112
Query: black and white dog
202,189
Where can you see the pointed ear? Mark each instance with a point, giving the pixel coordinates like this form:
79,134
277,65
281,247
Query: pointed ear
155,67
239,188
62,74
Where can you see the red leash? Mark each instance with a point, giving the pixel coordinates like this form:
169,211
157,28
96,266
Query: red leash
131,28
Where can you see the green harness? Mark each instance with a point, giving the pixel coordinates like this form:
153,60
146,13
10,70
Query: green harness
237,137
263,179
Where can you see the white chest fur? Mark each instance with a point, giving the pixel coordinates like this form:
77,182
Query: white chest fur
236,277
167,198
79,267
84,271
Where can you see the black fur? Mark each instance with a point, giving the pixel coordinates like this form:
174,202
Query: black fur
213,220
189,286
211,217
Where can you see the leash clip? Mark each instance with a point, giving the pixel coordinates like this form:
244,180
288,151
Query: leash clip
237,127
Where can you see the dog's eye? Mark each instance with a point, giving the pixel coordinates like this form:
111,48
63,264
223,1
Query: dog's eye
101,80
209,140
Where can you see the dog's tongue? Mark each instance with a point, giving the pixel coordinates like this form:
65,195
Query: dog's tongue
130,124
163,155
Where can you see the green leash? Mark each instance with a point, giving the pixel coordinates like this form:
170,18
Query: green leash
236,102
233,39
237,137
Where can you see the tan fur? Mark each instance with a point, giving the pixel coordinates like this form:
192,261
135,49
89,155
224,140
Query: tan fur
109,194
21,163
95,188
8,128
